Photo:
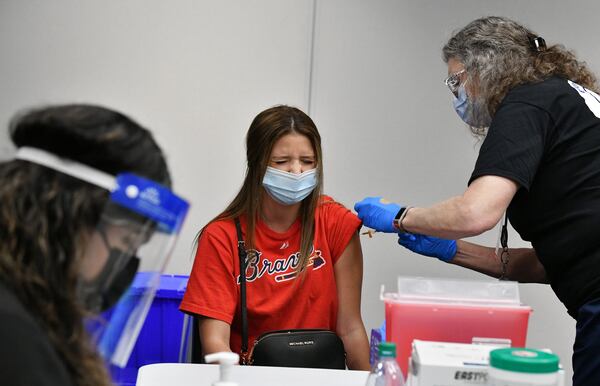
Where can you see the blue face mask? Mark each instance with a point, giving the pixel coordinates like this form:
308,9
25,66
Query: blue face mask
472,113
289,188
460,103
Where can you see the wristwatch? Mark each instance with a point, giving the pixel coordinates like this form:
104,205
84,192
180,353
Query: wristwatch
398,219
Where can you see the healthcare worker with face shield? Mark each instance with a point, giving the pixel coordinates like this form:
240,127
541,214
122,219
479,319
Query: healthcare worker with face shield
538,112
84,204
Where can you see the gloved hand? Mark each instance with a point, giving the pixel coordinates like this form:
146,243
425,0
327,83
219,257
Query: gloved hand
378,214
429,246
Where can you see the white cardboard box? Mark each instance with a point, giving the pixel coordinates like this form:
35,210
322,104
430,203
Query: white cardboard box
449,364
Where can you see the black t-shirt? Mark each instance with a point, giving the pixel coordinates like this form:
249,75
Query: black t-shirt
26,356
546,137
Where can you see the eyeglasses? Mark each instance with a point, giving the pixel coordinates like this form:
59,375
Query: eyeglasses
126,233
453,81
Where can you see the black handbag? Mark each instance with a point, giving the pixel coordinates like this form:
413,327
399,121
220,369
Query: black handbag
288,348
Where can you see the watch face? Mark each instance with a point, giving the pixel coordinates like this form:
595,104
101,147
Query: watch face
399,217
399,214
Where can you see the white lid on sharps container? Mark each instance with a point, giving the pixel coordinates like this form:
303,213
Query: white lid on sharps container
226,361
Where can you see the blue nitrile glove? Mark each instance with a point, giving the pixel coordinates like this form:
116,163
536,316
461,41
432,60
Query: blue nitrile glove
429,246
378,214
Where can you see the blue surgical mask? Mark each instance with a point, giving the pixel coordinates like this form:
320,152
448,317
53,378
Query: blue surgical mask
460,103
472,113
289,188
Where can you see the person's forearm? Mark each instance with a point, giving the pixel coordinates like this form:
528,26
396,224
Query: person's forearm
477,210
451,219
523,265
478,258
356,345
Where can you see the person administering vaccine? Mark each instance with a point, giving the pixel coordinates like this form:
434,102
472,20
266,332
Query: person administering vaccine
84,204
537,110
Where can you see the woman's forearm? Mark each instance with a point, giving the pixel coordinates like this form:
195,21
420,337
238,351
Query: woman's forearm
356,345
523,264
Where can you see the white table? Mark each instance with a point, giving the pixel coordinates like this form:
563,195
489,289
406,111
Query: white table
187,374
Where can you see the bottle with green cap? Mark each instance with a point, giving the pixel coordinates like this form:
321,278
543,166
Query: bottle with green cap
385,371
523,366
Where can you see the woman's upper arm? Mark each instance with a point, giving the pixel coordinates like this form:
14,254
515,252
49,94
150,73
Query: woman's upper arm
214,335
212,287
487,197
348,276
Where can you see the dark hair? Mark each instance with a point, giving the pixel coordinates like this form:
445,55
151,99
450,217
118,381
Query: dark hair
46,217
266,128
499,54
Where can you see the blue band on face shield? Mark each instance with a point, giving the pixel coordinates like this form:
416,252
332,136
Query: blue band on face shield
151,200
136,193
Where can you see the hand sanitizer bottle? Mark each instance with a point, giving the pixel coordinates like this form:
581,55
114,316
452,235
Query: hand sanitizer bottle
226,361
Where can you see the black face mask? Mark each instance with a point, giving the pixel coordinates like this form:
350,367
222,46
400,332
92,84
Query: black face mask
120,283
105,290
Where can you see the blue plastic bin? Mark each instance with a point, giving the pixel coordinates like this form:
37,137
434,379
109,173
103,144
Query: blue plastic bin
160,338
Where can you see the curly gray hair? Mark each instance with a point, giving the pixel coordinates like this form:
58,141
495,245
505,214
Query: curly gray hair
499,54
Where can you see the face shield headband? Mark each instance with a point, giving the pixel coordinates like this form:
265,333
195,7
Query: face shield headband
137,229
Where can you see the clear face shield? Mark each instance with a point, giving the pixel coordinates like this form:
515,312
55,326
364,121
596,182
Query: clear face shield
126,253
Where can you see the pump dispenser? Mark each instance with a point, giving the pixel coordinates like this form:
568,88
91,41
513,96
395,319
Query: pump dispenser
226,360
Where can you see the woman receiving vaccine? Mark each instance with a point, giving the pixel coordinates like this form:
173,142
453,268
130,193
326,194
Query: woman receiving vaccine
304,260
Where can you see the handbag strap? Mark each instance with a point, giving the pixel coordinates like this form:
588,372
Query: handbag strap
244,312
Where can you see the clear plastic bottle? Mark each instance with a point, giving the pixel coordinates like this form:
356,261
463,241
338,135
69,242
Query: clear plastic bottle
385,371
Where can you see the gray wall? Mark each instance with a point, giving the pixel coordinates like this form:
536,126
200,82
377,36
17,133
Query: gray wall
196,73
